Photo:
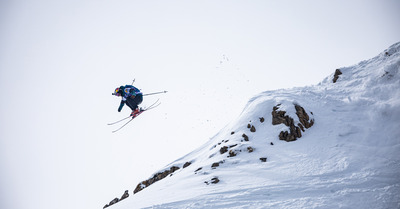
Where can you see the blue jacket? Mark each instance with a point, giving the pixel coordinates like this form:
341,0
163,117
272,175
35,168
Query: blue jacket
126,92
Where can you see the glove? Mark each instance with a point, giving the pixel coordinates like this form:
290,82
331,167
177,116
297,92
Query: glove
120,106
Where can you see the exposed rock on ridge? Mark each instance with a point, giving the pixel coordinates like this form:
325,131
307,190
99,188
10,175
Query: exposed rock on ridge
155,178
280,117
336,76
115,200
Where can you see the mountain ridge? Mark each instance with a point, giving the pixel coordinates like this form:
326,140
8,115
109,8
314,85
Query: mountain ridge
347,158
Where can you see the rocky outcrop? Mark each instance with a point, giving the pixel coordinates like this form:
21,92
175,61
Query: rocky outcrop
187,164
125,195
155,178
303,118
336,76
280,117
152,180
214,180
116,200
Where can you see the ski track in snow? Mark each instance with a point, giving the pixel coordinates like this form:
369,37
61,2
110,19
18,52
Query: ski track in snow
348,159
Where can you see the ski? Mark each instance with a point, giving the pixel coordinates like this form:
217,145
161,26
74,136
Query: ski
133,117
154,105
118,121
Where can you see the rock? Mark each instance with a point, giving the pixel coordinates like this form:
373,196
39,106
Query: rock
251,127
125,195
214,180
223,150
262,119
174,168
198,169
246,138
214,165
279,117
284,135
233,146
232,153
303,117
155,178
263,159
115,200
187,164
250,149
301,127
336,76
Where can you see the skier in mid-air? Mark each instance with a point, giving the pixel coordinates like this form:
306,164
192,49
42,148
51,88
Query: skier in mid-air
131,96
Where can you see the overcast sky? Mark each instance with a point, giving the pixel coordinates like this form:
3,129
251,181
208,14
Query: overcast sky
61,60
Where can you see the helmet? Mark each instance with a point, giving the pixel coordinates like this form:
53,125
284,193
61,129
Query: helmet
117,91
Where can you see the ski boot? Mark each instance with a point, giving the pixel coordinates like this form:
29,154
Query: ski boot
136,112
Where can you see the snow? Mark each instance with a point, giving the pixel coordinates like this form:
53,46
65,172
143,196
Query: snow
348,159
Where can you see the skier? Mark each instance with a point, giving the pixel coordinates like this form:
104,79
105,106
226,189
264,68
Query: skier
131,96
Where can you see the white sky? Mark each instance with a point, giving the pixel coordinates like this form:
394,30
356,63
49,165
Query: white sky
61,60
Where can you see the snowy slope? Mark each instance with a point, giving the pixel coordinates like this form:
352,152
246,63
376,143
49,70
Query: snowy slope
349,158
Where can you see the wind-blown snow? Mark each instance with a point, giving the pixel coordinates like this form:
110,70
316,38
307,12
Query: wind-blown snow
350,157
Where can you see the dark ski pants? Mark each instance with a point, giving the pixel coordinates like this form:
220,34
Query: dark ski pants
133,103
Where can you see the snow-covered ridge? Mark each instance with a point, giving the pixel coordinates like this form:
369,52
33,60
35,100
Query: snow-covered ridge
347,155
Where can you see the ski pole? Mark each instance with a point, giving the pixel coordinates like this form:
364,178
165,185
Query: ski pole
155,93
